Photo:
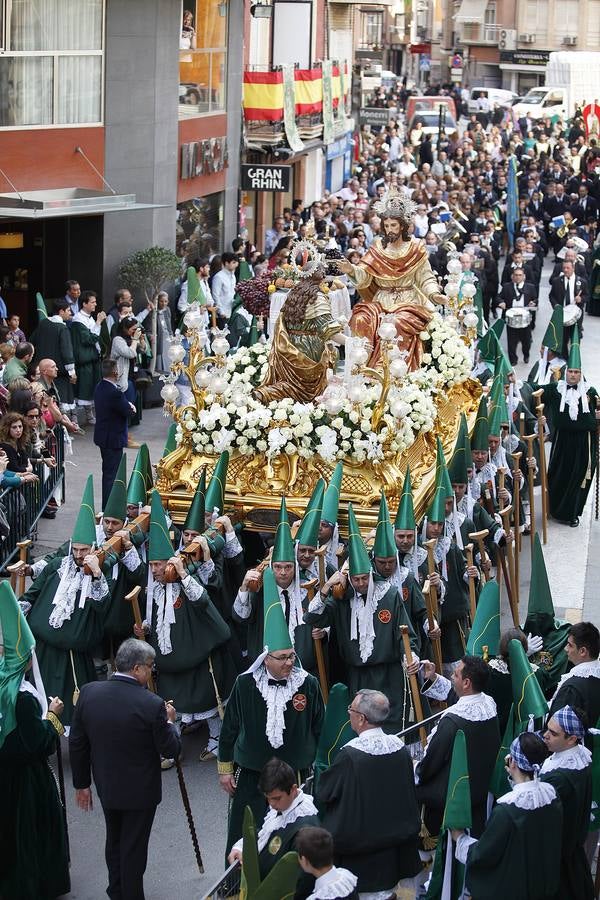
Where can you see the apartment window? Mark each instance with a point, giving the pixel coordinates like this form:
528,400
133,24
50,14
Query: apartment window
371,29
536,20
489,22
202,58
51,62
593,31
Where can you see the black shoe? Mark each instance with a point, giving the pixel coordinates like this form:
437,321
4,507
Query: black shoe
525,359
574,522
49,513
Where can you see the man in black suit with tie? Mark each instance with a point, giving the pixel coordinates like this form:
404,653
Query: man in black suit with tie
110,431
565,289
515,294
586,207
119,732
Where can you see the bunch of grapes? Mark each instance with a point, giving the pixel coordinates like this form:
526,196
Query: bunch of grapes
255,295
332,254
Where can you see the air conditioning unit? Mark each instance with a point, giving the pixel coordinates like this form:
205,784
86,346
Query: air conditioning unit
507,39
570,40
527,38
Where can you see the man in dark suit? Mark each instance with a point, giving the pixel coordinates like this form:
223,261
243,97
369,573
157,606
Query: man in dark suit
565,289
110,431
118,734
515,294
586,207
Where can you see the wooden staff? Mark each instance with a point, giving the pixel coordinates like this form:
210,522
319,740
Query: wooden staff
320,555
501,486
543,473
530,438
255,584
193,551
309,587
479,537
338,590
432,604
473,602
115,543
522,425
17,570
132,597
414,685
512,594
516,457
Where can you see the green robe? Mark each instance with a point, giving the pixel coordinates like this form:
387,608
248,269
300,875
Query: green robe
198,636
518,854
243,741
454,610
574,788
60,650
34,861
87,360
500,687
119,620
580,692
52,340
383,670
573,457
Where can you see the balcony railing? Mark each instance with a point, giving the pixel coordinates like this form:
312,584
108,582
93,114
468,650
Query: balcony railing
480,33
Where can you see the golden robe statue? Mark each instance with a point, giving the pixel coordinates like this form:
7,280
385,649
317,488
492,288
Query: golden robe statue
301,352
398,279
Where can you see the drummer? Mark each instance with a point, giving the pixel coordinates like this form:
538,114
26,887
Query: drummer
517,299
568,289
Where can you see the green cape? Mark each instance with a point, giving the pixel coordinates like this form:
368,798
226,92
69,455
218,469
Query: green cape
19,644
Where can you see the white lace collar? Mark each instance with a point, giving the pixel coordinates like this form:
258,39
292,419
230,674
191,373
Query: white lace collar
399,577
362,611
530,795
589,669
375,742
276,699
303,805
571,397
73,580
576,758
335,883
499,665
164,596
474,708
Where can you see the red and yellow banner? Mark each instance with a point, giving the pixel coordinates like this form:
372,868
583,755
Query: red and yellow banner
263,93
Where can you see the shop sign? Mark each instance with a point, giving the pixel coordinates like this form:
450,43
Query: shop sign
265,178
525,57
420,48
372,115
339,147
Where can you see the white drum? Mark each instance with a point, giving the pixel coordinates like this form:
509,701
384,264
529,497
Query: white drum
571,313
518,318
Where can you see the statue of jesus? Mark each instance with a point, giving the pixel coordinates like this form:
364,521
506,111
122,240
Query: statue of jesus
394,276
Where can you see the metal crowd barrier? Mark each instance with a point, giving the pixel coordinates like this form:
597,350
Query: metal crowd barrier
228,885
23,506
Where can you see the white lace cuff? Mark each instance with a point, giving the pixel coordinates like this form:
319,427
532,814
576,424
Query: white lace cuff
193,590
98,589
131,559
316,605
38,567
232,545
440,688
462,847
242,605
499,535
205,570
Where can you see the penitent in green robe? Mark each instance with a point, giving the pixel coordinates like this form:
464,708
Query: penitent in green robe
87,360
70,647
383,669
34,861
573,457
454,610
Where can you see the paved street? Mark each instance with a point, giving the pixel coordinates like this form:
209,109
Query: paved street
573,564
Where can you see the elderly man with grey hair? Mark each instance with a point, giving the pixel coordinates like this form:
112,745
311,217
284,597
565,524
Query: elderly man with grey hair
370,804
119,732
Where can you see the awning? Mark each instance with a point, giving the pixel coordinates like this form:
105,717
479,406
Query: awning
67,202
471,11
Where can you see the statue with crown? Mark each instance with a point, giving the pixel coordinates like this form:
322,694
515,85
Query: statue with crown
373,391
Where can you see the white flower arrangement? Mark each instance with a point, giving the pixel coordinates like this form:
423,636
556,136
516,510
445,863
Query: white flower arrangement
235,420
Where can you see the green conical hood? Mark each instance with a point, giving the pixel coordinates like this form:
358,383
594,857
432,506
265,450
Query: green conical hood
405,517
481,431
244,271
358,558
385,545
308,533
283,545
85,525
485,631
540,596
488,346
498,327
41,307
528,699
499,783
196,519
574,361
19,644
497,409
116,505
461,458
276,634
171,442
141,480
442,489
336,729
553,336
457,812
215,494
331,500
159,545
282,877
253,333
194,289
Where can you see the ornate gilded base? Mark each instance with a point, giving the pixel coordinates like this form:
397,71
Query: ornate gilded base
255,486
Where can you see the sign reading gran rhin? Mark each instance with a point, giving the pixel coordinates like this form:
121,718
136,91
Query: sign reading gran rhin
265,178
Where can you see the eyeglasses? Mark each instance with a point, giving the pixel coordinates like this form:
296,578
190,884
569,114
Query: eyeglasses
289,657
